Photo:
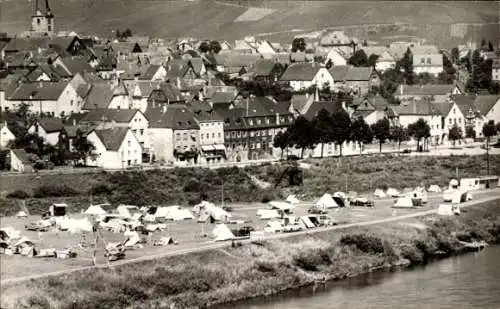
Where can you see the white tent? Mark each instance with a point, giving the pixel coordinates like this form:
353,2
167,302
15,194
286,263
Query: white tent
392,192
21,214
95,210
341,195
75,225
177,214
222,232
268,214
201,206
307,222
379,193
458,197
217,213
124,210
434,188
286,207
292,199
418,194
273,227
445,210
403,202
326,201
11,232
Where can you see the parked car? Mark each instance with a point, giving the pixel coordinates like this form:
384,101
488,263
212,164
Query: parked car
39,226
317,210
362,201
243,231
292,228
325,220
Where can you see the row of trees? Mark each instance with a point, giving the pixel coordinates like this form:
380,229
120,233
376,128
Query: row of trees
337,127
212,47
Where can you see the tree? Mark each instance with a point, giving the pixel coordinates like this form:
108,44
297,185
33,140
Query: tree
359,59
118,34
298,44
83,148
489,130
372,60
281,141
215,47
455,55
455,133
406,64
127,33
302,134
470,132
381,131
399,134
341,127
419,129
323,128
204,47
483,43
490,46
361,132
498,127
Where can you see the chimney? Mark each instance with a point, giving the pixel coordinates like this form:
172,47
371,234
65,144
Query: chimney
316,94
277,118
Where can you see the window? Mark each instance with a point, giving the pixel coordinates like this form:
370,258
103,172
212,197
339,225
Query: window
219,135
252,133
258,121
38,21
454,111
267,120
459,120
239,133
234,146
422,60
185,136
449,120
428,60
257,133
208,135
142,131
252,145
71,102
258,145
129,143
134,131
227,134
270,132
250,122
129,162
177,136
201,137
233,134
213,135
244,134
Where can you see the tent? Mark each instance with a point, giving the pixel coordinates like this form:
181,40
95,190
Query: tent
326,201
201,206
177,214
459,197
95,210
164,241
58,210
206,218
268,214
273,227
434,188
8,233
307,222
285,207
125,210
379,193
403,202
454,183
218,213
292,199
75,225
21,214
392,192
222,232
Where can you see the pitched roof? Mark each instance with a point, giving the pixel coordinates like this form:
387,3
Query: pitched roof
484,103
444,108
223,97
429,60
339,72
170,92
381,51
362,113
203,112
300,71
197,65
263,106
176,117
317,106
436,89
146,87
233,118
99,96
359,73
232,59
22,155
422,108
177,68
150,72
263,67
110,115
76,65
379,102
299,101
50,124
40,91
113,138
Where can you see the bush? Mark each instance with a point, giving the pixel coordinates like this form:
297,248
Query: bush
364,242
18,194
310,260
100,188
54,191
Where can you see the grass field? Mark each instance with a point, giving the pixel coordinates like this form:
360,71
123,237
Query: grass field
217,19
214,277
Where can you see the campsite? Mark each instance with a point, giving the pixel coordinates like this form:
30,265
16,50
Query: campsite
182,227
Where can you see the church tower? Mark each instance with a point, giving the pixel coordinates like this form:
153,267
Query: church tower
42,22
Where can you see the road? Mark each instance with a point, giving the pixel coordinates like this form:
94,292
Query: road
220,245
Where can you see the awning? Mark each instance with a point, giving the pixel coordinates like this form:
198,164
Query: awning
220,147
207,148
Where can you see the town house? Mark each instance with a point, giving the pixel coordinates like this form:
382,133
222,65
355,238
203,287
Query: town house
438,93
371,109
356,80
301,76
385,60
478,110
211,133
106,95
427,59
115,148
451,115
6,135
48,129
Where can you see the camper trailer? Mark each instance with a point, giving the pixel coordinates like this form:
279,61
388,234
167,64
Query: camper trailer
478,183
58,210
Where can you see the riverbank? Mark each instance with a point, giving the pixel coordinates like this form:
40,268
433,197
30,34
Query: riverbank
187,186
225,275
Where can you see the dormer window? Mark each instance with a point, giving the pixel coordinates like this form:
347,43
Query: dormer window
428,60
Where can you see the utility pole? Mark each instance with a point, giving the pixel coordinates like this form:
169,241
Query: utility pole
487,156
222,196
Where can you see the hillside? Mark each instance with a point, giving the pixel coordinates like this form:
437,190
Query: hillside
221,19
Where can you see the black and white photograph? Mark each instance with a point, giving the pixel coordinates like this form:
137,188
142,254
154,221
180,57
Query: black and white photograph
249,154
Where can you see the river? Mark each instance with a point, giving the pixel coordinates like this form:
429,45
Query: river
466,281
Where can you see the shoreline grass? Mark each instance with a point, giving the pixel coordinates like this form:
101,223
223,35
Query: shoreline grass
214,277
